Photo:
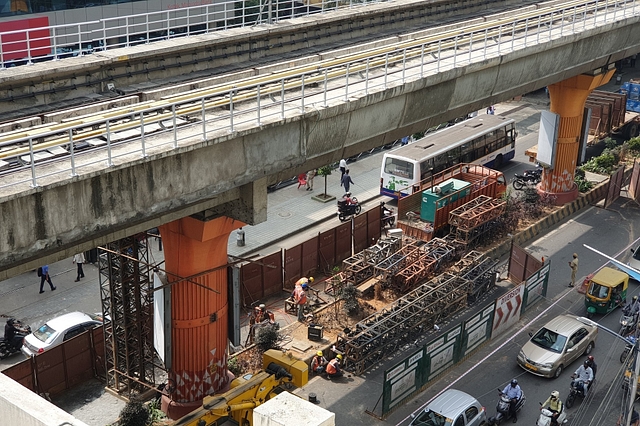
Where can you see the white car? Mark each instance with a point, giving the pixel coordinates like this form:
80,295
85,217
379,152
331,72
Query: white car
57,330
634,262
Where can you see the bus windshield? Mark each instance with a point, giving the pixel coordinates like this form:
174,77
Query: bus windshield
399,168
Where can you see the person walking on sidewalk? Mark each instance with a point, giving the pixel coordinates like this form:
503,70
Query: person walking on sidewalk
574,269
310,175
43,271
343,168
346,181
79,259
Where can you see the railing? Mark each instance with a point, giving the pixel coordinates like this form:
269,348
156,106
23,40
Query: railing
191,118
29,45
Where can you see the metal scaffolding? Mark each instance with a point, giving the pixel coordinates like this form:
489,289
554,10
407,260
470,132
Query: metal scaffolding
126,290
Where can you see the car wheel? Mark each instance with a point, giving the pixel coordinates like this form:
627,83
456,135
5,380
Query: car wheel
558,371
589,348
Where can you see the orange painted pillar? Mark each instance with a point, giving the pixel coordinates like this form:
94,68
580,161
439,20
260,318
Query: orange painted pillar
568,99
199,308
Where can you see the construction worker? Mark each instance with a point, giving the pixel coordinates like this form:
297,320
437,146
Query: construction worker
318,363
300,298
333,367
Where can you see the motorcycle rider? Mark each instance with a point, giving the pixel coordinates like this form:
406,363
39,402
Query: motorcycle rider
632,308
348,201
555,406
593,365
514,393
13,333
583,376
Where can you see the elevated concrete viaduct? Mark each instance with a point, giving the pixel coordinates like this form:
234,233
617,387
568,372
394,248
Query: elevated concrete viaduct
227,175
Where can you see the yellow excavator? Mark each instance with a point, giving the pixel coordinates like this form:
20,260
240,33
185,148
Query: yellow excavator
246,394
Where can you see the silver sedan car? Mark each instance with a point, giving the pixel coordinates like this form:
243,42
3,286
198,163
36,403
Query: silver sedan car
556,345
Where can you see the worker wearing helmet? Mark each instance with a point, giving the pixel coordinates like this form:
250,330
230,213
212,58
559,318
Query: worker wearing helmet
555,405
318,363
333,367
300,298
305,280
514,393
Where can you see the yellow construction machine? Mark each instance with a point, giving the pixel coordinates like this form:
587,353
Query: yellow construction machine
246,394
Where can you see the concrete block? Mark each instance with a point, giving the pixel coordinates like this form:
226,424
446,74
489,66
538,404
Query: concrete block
287,410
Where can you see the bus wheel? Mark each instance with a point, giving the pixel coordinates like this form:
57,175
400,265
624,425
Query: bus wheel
498,161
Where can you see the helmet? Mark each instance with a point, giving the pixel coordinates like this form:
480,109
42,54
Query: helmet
555,394
339,357
319,353
514,382
590,358
262,306
11,321
586,362
311,279
305,286
348,194
635,298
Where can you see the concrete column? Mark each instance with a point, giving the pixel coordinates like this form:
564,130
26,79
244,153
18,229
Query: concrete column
568,98
199,309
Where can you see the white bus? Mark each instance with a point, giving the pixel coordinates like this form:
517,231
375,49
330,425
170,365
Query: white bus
488,140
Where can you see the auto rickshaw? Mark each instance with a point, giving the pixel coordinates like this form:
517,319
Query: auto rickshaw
606,291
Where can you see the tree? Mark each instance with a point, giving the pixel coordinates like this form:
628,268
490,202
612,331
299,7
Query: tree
325,171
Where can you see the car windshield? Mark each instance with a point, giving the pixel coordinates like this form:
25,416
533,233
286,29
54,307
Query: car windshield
430,418
45,333
598,291
550,340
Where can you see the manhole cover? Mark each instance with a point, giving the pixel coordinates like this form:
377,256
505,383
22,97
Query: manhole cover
284,214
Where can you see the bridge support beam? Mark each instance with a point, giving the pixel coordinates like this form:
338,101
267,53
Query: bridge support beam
568,98
196,255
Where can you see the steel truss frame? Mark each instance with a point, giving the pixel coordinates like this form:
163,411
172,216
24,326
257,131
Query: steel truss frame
480,270
126,290
476,212
360,267
406,319
432,255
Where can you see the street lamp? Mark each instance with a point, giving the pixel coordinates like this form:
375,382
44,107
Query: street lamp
634,378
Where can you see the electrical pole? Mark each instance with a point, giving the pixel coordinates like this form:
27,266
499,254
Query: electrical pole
634,384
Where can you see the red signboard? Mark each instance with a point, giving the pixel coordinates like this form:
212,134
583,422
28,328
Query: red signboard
34,39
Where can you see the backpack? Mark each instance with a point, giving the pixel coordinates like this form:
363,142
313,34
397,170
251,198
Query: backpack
40,271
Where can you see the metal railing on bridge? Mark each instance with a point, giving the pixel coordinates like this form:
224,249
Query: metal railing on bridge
146,128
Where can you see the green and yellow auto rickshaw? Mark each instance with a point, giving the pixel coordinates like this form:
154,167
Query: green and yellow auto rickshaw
606,291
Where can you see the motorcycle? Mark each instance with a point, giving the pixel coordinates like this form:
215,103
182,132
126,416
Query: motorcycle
346,211
388,218
627,323
529,177
7,349
576,391
625,353
502,407
546,418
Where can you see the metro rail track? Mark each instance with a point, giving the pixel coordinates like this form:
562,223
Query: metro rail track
219,105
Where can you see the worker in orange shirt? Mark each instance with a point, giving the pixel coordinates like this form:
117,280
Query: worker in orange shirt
300,297
333,368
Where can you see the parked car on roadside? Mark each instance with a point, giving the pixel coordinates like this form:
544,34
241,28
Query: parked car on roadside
452,408
556,345
58,330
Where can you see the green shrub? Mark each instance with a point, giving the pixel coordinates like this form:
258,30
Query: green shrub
268,337
349,293
134,414
610,143
634,145
234,367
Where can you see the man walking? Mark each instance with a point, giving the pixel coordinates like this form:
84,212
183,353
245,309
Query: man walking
574,269
44,276
79,259
346,181
310,175
343,168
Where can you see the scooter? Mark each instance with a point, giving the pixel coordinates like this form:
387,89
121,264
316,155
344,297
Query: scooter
346,211
546,418
577,390
627,323
529,177
7,349
502,407
388,218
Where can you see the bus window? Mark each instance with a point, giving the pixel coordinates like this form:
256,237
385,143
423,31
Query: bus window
400,168
440,162
467,154
426,167
454,156
492,141
502,137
